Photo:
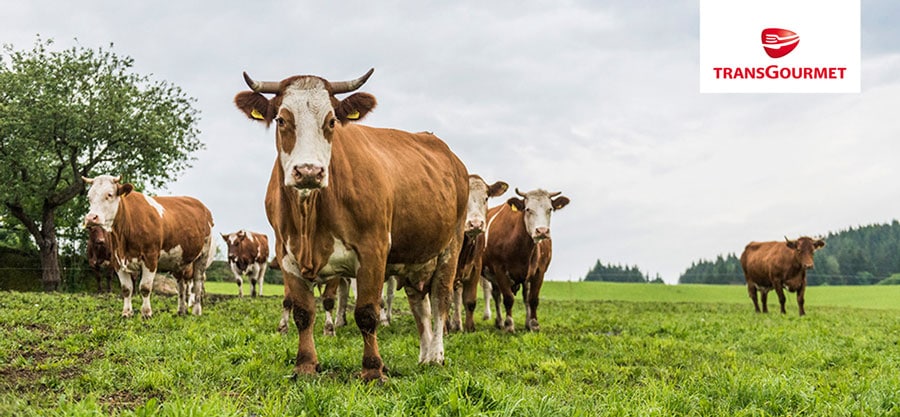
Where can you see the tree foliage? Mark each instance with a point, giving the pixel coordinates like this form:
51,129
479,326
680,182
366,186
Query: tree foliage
618,273
82,112
855,256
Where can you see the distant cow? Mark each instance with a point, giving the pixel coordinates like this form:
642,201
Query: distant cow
778,265
347,200
98,255
468,270
518,251
248,254
152,234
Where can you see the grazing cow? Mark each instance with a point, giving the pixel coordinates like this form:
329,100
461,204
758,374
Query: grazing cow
518,252
151,234
248,254
353,201
468,269
778,265
98,255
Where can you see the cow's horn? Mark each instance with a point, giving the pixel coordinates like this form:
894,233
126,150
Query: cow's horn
555,194
339,87
262,86
117,179
87,180
519,193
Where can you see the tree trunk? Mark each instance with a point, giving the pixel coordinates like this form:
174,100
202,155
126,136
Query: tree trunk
50,262
49,247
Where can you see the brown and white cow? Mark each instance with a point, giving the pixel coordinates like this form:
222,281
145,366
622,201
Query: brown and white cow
248,255
468,269
152,234
347,200
518,251
99,254
778,265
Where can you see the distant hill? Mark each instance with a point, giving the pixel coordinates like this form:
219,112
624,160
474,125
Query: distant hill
856,256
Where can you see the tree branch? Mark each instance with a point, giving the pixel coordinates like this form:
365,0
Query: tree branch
19,213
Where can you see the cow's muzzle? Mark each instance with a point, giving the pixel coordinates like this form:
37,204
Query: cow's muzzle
541,233
308,176
474,227
91,220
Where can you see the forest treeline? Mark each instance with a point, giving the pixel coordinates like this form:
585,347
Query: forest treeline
619,273
855,256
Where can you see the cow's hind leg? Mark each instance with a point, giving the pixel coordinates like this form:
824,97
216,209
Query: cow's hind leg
343,293
486,289
387,303
764,299
420,306
751,291
328,297
147,276
127,289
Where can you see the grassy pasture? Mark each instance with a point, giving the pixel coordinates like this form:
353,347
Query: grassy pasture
679,350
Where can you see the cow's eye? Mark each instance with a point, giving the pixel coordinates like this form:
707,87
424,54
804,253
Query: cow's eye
280,121
109,196
331,123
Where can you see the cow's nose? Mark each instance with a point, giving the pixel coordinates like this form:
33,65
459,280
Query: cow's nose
308,173
474,224
542,232
91,219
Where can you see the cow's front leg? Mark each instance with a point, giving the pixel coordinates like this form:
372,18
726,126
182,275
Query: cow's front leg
801,299
532,301
183,297
127,289
751,291
370,282
469,297
147,277
303,303
240,283
387,303
504,288
454,323
764,299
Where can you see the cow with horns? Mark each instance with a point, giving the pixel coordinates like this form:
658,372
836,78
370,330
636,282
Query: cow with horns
518,251
347,200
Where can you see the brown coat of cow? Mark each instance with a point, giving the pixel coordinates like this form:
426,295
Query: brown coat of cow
99,255
778,265
394,204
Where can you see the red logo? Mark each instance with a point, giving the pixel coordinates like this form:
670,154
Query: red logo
779,42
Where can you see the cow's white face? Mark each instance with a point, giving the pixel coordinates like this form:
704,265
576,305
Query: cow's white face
537,206
476,208
305,124
104,196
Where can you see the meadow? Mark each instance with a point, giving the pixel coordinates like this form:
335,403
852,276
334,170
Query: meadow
604,349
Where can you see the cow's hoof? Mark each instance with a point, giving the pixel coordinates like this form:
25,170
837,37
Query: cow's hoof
486,317
127,313
306,369
533,326
329,329
373,375
498,323
282,328
146,314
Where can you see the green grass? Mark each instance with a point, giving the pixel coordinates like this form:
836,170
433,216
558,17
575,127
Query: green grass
681,353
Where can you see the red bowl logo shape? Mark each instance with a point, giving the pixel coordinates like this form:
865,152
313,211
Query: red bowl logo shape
779,42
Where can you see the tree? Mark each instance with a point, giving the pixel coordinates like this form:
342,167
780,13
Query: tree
81,112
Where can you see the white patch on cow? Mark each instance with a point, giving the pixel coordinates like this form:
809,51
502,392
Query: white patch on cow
155,204
487,228
103,200
232,238
171,259
476,208
343,261
289,262
309,102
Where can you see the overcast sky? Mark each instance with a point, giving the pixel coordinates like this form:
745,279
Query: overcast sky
597,99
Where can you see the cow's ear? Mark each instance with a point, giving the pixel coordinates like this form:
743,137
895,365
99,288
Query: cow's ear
497,189
224,236
819,244
124,189
255,106
516,204
559,202
355,107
